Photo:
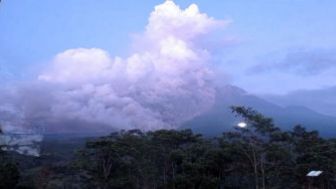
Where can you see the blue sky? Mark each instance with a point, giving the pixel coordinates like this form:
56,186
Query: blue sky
269,33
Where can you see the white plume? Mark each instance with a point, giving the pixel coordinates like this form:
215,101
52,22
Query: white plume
166,81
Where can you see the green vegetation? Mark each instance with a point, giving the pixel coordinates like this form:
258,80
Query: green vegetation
259,156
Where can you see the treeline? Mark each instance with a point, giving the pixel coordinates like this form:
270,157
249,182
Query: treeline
259,156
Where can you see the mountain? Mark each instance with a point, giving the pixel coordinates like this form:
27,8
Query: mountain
322,100
220,118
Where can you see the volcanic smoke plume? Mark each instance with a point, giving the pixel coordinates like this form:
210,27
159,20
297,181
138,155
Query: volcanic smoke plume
166,81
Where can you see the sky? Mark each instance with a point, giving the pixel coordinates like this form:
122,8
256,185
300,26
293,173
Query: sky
266,38
156,64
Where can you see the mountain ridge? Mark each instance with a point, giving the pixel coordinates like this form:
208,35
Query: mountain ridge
220,118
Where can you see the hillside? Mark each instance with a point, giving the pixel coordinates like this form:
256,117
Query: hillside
219,118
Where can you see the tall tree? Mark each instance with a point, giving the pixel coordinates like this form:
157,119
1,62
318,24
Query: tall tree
260,147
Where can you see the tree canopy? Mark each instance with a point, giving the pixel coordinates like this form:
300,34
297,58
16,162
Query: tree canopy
258,156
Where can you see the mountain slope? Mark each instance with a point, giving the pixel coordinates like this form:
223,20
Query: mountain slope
322,100
220,118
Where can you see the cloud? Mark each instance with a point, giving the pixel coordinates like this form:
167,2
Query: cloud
166,81
27,144
301,62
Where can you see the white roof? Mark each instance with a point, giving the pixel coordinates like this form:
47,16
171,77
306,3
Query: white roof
314,173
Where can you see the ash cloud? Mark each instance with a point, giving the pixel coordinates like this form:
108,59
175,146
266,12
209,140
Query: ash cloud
166,81
25,144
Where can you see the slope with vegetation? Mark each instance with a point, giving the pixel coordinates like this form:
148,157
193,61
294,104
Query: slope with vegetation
259,156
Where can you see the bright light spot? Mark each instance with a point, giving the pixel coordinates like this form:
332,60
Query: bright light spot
242,125
314,173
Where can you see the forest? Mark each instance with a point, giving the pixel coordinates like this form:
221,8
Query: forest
258,156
